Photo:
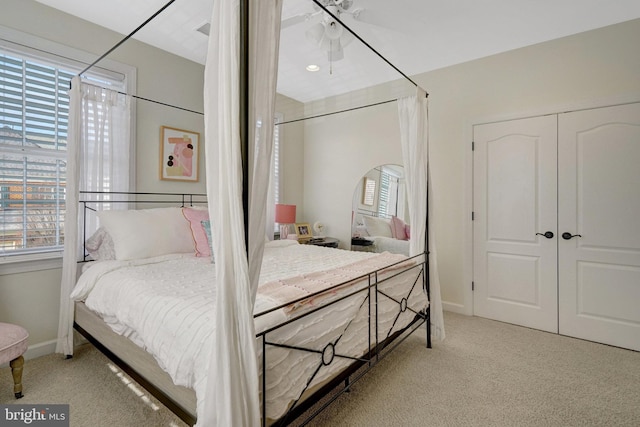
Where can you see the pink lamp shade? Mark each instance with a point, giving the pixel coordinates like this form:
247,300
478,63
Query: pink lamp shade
285,214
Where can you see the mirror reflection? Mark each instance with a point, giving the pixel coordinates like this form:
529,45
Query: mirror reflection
380,212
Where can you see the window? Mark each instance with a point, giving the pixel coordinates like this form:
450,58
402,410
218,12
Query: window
277,176
276,172
34,115
391,199
383,196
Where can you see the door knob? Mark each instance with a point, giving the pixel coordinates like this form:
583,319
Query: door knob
567,236
547,234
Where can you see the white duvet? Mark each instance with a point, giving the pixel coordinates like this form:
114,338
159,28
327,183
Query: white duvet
165,305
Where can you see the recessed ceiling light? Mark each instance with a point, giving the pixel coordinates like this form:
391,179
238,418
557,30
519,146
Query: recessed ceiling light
313,68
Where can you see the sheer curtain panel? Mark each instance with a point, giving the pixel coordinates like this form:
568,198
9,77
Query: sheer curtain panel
232,393
414,137
98,156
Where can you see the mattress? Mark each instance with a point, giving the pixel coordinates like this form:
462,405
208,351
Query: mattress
166,306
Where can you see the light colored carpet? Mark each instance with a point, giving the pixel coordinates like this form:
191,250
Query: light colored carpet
485,373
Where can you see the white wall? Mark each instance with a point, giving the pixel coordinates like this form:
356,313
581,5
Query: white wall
585,70
292,154
339,151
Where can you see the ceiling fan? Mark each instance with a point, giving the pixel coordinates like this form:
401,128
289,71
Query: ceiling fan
326,31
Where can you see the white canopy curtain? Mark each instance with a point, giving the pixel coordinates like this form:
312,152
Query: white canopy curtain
98,154
414,137
232,393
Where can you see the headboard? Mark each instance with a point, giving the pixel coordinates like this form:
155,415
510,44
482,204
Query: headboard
93,201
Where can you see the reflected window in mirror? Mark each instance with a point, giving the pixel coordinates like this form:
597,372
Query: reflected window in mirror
369,191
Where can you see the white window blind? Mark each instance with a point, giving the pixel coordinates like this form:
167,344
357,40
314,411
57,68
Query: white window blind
383,195
34,115
277,160
276,177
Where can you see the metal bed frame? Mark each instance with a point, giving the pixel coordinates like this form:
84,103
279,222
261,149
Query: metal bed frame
366,296
361,363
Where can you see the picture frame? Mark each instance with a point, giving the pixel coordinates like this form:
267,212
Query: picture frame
303,231
179,154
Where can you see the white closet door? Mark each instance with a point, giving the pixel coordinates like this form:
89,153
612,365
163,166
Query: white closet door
515,197
599,199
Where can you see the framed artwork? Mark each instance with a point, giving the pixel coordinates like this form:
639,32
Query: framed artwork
179,154
303,231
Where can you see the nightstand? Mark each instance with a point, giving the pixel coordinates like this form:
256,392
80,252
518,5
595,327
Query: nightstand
362,245
328,242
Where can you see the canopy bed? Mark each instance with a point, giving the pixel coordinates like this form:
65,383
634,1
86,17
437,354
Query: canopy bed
275,331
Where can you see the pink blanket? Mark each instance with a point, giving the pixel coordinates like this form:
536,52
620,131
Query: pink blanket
296,287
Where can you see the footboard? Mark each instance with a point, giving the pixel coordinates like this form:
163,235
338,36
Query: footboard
339,340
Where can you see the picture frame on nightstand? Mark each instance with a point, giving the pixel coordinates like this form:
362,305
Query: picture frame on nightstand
303,231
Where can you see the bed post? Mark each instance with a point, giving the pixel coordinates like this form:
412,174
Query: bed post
244,112
426,267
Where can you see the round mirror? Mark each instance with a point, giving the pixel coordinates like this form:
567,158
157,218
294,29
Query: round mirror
380,212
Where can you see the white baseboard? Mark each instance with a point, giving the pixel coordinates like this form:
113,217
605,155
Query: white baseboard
37,350
456,308
41,349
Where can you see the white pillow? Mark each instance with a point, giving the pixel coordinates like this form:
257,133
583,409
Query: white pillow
100,245
146,233
377,226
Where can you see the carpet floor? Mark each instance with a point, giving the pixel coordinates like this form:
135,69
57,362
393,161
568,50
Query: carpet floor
485,373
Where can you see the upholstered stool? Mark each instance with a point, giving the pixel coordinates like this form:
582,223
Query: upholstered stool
13,344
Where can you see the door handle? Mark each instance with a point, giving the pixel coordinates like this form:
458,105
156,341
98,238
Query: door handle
547,234
568,236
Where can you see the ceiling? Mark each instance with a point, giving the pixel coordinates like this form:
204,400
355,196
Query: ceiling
414,35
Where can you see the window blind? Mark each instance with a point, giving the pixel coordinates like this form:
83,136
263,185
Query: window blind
276,156
34,118
383,195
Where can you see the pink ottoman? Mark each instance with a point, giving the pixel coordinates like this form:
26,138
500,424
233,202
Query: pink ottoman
13,344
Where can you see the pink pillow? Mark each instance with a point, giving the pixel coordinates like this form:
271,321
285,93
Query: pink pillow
407,230
195,216
398,228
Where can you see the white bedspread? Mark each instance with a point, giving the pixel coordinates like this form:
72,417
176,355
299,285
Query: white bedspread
165,305
389,244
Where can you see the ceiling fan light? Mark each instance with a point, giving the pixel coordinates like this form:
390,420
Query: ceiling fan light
333,30
335,53
315,33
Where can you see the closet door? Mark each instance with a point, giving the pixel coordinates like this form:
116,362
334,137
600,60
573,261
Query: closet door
515,203
599,203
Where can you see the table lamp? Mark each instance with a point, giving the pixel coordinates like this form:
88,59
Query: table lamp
285,216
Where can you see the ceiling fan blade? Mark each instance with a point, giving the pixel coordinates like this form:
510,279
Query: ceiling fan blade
293,20
298,19
391,19
373,17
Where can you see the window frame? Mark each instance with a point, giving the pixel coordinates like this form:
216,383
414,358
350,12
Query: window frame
60,56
